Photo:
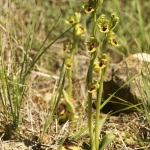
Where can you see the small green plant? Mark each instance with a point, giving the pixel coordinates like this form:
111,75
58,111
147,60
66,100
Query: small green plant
71,50
146,105
13,77
144,89
145,74
98,65
143,82
15,72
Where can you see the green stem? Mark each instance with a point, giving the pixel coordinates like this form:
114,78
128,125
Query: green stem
90,119
95,25
90,105
98,103
72,52
70,84
90,71
76,56
104,44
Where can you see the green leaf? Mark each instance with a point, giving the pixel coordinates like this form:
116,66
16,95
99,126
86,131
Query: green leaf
80,132
101,124
107,139
69,103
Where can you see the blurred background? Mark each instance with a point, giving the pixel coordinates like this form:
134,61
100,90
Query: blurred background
133,30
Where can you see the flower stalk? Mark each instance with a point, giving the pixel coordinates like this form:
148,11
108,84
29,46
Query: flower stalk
71,49
98,64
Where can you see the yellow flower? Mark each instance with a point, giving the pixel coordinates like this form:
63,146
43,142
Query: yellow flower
93,86
103,24
92,45
77,16
68,63
114,42
112,39
104,27
71,20
99,65
74,18
90,7
79,30
65,46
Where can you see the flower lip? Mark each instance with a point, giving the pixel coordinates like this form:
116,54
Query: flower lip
93,86
91,46
68,63
89,8
65,47
114,41
79,30
102,62
82,28
71,21
104,28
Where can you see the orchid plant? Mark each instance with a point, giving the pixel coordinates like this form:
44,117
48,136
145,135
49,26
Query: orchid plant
71,49
98,64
